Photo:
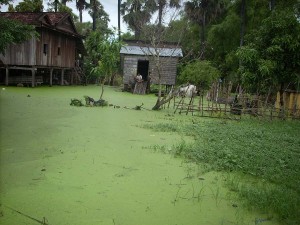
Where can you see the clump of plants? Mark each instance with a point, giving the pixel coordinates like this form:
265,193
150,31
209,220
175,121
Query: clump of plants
76,102
262,151
91,102
88,102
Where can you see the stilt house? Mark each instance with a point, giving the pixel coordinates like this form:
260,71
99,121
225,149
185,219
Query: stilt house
138,57
50,58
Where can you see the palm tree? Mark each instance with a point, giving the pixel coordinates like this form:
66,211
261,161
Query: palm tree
56,3
64,2
137,13
97,13
162,4
272,4
243,22
203,12
80,5
119,19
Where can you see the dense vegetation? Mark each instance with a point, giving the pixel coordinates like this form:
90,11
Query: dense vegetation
263,156
253,43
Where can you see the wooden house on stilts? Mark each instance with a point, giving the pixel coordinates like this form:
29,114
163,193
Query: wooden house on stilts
157,64
51,58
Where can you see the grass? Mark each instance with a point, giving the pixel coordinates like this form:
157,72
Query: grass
265,153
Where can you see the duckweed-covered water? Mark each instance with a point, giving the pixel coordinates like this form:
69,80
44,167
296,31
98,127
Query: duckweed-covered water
66,165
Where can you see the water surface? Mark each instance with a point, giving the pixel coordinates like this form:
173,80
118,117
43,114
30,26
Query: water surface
89,165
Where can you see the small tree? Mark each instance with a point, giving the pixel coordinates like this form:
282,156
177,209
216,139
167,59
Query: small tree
200,73
156,35
108,62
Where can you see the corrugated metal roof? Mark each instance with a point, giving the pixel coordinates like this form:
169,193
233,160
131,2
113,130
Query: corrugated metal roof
138,50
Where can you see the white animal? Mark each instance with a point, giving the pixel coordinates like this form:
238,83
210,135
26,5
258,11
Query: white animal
188,91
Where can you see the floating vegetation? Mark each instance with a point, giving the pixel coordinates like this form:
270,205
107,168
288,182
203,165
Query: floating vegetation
76,102
88,102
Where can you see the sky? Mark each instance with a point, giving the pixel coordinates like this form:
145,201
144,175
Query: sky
110,6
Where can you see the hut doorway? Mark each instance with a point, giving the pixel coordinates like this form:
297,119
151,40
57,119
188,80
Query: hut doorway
143,68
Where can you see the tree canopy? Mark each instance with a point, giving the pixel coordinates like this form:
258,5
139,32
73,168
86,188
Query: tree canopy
271,55
13,32
201,73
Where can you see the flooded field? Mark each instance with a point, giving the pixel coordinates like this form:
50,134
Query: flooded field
66,165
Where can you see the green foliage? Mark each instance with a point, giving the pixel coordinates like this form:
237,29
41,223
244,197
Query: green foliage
223,38
201,73
4,2
106,51
76,102
13,32
30,6
272,53
266,153
83,28
137,13
99,16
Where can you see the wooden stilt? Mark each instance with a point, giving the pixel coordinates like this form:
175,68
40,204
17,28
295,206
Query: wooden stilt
190,105
6,76
62,77
33,77
72,78
51,77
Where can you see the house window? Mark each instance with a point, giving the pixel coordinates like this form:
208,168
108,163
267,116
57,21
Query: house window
58,51
45,49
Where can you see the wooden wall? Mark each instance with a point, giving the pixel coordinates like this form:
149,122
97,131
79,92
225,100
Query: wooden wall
54,41
20,54
31,53
168,67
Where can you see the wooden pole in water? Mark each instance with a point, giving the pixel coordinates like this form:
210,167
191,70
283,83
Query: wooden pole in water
62,77
51,77
6,76
33,77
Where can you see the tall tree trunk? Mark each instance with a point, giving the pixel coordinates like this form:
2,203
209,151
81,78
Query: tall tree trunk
56,2
243,25
64,2
137,33
160,12
281,101
202,35
243,22
272,4
80,15
102,90
93,3
119,19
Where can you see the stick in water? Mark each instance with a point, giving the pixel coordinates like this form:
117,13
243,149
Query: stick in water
30,217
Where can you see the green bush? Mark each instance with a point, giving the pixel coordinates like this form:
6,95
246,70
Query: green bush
200,73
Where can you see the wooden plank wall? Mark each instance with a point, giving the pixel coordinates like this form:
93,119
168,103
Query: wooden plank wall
30,53
20,54
54,41
168,68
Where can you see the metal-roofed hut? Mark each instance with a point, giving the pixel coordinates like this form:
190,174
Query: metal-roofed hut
142,58
50,58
